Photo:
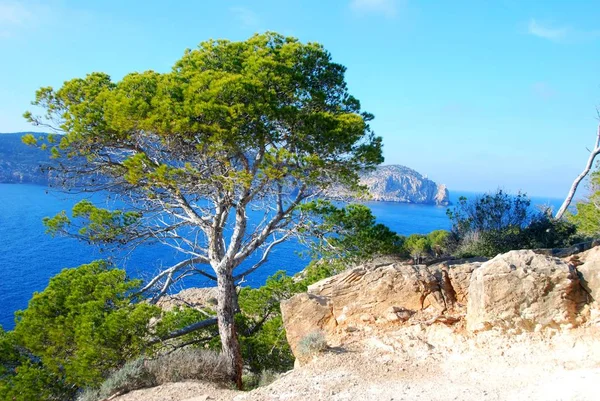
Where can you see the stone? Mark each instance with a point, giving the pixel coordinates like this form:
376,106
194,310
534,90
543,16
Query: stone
304,314
396,183
381,291
520,290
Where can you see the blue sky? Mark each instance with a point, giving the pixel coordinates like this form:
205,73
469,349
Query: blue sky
475,94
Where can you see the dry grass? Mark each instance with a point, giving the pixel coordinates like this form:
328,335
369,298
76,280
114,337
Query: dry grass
189,364
180,365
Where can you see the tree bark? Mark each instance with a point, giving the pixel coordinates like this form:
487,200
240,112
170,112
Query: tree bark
230,346
580,177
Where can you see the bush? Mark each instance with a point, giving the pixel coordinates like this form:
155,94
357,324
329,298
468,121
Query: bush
132,376
312,344
189,364
85,324
32,381
587,218
180,365
497,223
267,377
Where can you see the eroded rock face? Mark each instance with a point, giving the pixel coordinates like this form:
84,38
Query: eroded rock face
304,314
524,290
395,183
590,272
384,291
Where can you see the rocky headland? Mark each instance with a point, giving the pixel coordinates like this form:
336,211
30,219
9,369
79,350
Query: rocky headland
396,183
22,164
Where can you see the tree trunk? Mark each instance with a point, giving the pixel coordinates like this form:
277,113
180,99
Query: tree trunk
230,346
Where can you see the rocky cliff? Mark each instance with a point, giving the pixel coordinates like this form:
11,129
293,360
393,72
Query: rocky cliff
395,183
22,164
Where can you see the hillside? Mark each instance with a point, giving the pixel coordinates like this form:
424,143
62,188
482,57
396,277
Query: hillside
522,326
22,164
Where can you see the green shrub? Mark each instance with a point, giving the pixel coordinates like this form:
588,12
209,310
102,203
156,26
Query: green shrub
85,323
132,376
312,344
267,377
500,222
33,382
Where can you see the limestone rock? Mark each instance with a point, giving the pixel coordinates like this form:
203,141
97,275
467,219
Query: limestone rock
590,272
524,290
304,314
395,183
384,291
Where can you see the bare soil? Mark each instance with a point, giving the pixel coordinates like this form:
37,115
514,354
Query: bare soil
435,362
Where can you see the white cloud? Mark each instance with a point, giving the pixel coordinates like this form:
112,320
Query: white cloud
561,34
547,32
17,17
389,8
246,17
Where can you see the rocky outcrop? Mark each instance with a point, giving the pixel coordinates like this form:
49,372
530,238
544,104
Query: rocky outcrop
589,268
519,291
524,290
385,291
397,183
401,184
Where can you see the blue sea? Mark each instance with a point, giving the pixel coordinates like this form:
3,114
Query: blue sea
29,257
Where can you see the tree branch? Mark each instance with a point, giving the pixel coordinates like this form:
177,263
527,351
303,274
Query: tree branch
580,177
185,330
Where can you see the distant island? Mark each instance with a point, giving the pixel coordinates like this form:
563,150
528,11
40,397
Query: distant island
396,183
22,164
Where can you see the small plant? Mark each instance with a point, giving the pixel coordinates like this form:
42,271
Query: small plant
267,377
132,376
89,394
312,344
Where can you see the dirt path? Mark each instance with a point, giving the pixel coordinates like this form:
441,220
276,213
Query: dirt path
429,364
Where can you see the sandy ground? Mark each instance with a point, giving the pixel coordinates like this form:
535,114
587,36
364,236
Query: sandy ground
428,363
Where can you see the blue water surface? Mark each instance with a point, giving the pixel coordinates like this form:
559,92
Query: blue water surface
29,257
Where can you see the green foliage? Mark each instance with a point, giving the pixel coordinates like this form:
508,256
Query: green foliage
32,381
261,332
545,232
24,379
84,323
500,222
97,224
221,100
587,217
417,245
349,232
262,335
10,357
439,241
